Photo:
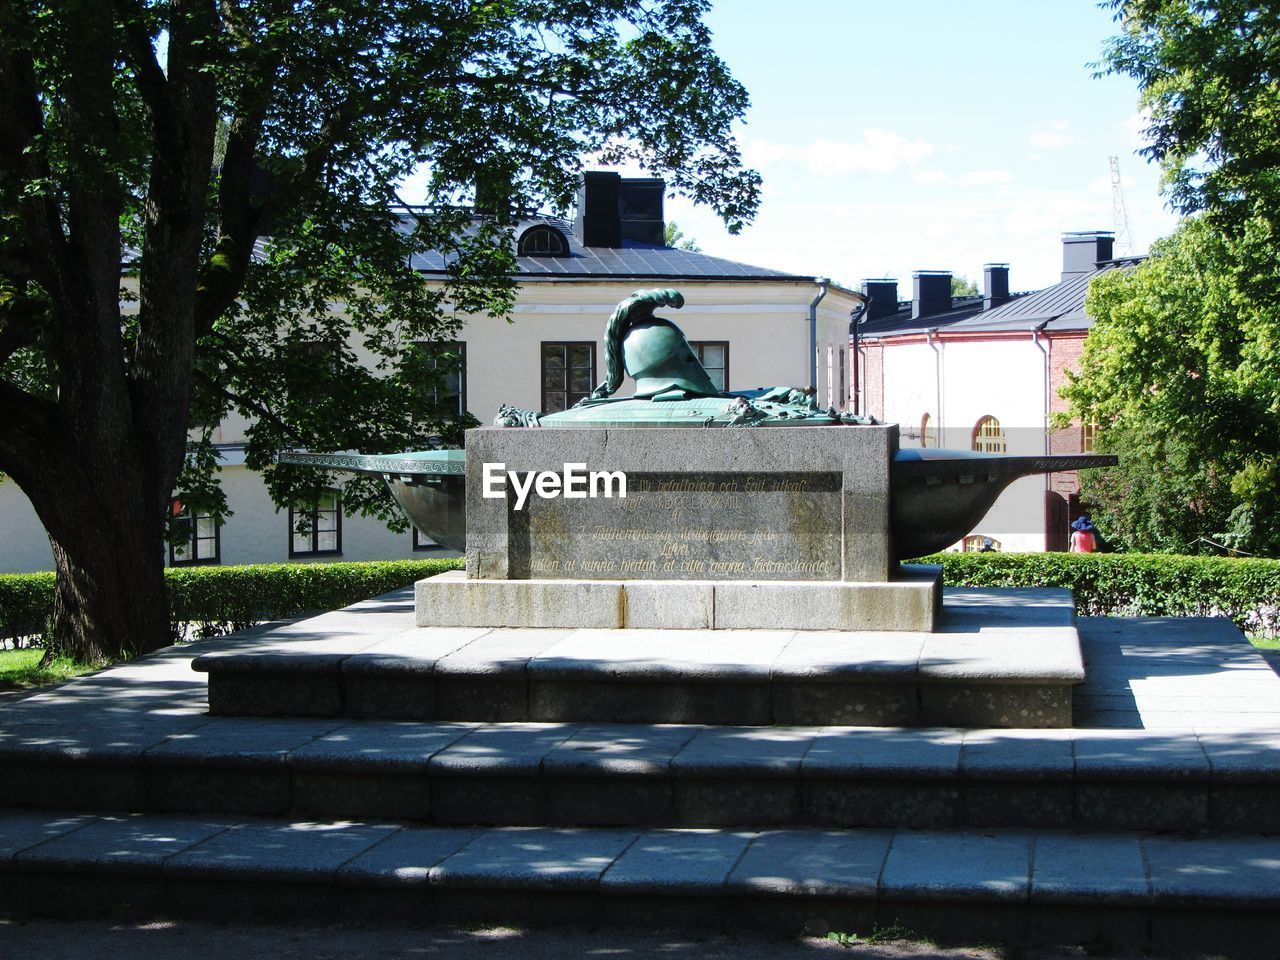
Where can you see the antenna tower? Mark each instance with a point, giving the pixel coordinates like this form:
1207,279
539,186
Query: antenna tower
1120,216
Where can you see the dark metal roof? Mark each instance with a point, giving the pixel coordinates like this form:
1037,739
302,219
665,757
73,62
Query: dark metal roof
1058,308
632,259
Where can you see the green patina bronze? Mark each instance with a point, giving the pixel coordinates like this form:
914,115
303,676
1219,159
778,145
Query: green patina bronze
673,389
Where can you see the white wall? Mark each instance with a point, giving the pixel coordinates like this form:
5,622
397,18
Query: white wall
1001,378
24,547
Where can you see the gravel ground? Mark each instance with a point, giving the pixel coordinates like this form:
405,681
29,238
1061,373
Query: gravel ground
99,940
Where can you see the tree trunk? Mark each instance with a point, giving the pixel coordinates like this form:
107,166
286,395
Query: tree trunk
108,545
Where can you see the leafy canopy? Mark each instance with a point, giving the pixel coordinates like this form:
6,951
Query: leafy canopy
283,130
1181,369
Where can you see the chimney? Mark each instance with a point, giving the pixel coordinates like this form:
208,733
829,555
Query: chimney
883,292
995,285
1082,251
930,292
640,210
597,223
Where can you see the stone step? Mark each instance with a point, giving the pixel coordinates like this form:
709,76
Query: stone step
1002,658
638,775
1129,890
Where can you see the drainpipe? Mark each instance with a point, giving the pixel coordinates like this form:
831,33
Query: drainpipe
813,333
1040,345
937,382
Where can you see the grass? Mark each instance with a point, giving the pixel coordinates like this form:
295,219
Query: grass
21,669
1265,643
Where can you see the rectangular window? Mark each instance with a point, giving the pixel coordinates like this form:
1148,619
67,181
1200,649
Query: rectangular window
421,541
568,374
1088,437
450,395
714,357
202,538
317,530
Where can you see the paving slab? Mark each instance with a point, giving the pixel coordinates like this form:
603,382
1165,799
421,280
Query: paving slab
21,831
500,651
909,753
1237,870
958,866
523,858
137,841
1138,755
720,655
1089,869
272,850
744,751
241,738
626,749
415,650
375,745
813,862
677,862
845,655
405,858
1008,754
503,748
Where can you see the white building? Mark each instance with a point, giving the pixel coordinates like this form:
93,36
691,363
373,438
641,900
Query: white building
983,373
752,327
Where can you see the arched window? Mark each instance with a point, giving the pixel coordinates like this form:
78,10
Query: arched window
988,436
927,439
543,241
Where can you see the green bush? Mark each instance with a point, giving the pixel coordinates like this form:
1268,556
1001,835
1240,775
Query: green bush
211,600
1135,584
26,600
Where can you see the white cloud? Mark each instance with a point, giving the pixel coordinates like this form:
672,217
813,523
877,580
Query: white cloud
879,151
931,176
984,178
1134,125
1054,137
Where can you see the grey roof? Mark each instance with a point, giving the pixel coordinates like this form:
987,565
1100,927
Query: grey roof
633,260
1058,308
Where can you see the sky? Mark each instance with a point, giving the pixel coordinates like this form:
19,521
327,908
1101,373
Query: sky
927,135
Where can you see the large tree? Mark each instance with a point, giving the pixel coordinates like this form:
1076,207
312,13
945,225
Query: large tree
1181,369
198,219
1182,372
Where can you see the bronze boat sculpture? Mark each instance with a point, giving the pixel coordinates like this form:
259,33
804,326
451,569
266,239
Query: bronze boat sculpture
936,496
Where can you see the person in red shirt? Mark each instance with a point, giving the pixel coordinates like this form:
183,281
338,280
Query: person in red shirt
1082,538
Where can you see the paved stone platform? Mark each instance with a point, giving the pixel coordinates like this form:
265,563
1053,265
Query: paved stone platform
1151,823
1126,889
1000,658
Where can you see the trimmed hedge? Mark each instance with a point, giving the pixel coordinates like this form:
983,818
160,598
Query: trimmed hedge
215,600
1135,584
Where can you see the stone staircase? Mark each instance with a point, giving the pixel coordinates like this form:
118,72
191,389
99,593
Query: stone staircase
1148,824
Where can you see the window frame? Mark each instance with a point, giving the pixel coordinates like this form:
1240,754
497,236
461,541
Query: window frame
432,348
1089,437
538,230
698,346
315,531
567,346
987,438
195,560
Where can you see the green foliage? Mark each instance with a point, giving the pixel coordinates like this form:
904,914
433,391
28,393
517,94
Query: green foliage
1181,371
214,600
963,287
1131,585
1208,72
673,236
